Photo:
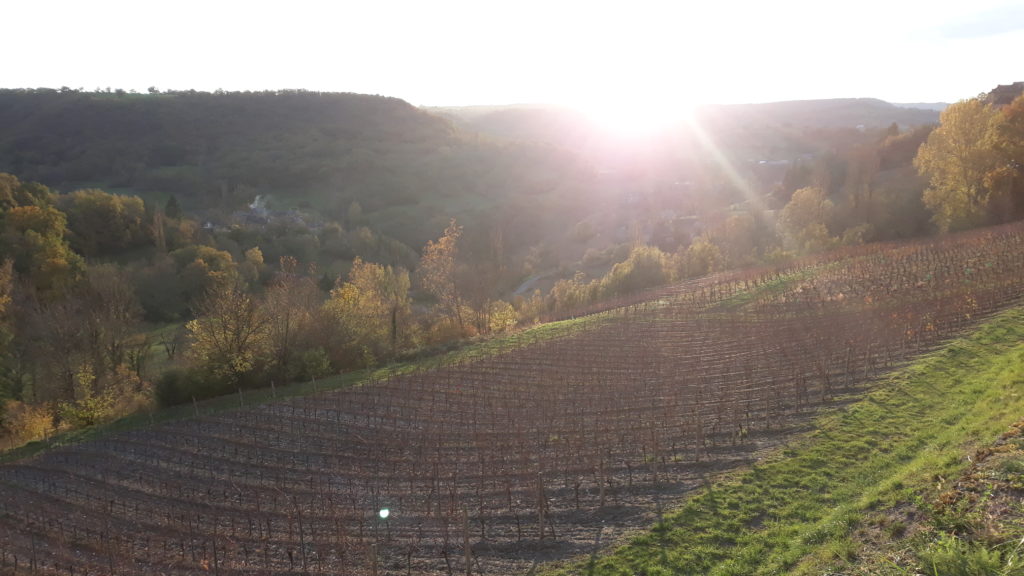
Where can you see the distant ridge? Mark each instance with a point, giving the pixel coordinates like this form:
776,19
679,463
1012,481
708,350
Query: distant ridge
831,113
563,126
937,106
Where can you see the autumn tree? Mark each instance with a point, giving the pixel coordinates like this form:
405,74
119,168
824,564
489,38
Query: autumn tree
700,258
14,192
112,314
501,316
59,348
1006,180
646,266
437,273
252,266
291,303
6,326
956,159
742,239
568,294
230,338
374,308
34,238
73,351
481,273
202,269
900,150
386,291
804,220
102,223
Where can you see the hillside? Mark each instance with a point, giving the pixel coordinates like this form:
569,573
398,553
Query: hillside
544,185
937,106
193,143
833,113
529,451
410,171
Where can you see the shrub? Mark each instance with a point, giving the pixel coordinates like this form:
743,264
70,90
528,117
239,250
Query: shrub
501,316
701,258
87,411
315,363
24,422
180,386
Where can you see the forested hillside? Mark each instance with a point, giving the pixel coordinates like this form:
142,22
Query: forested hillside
195,143
409,171
217,151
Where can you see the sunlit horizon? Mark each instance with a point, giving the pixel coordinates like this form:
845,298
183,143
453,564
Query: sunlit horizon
459,53
636,118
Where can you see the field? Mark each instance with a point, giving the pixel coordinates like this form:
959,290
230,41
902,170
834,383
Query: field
919,476
529,454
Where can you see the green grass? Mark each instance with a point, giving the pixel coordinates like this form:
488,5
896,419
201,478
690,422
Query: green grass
157,360
951,556
768,289
797,511
466,352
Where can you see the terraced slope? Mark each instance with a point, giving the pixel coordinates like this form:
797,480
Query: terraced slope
531,454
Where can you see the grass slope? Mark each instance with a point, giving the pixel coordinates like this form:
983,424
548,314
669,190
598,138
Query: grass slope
803,510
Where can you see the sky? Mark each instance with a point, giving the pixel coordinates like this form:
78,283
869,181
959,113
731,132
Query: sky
657,55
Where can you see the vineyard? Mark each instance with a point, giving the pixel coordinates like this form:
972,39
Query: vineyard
533,453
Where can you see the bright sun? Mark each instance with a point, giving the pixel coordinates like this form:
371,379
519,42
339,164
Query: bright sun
637,116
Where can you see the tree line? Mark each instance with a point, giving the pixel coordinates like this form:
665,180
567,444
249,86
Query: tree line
109,304
967,171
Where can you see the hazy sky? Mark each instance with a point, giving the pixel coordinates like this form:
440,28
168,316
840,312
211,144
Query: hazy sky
454,52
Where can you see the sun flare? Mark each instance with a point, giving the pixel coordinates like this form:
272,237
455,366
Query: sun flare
637,117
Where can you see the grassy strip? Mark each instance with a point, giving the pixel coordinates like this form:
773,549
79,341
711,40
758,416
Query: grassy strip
470,351
796,512
771,288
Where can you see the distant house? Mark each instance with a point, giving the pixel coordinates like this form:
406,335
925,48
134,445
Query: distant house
258,216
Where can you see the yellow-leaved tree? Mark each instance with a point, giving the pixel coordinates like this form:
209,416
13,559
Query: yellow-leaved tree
374,308
957,159
1007,180
230,338
804,220
437,273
